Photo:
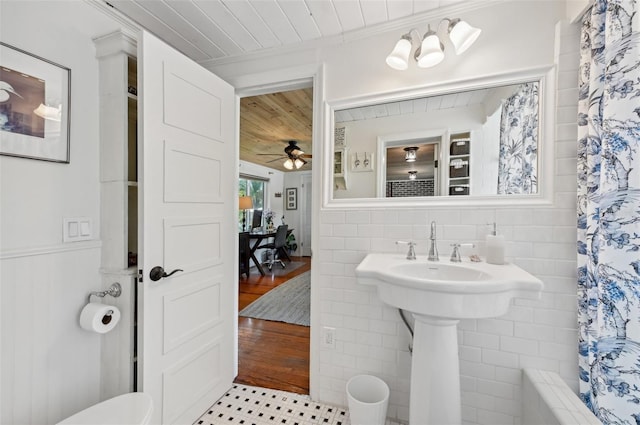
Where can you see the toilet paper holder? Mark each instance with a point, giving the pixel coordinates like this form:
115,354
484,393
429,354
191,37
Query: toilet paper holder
115,290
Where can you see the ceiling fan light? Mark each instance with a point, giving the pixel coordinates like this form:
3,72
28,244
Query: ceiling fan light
462,35
431,51
399,56
288,164
299,163
412,175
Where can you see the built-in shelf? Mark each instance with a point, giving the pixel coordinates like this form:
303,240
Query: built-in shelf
339,169
118,146
459,153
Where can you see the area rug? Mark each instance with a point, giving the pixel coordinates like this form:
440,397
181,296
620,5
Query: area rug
289,302
277,270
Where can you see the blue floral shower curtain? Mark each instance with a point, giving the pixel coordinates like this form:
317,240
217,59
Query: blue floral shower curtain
518,158
609,211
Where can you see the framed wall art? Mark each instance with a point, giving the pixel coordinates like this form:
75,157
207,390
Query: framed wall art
291,198
35,99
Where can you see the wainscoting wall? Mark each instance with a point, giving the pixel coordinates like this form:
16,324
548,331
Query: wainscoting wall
50,366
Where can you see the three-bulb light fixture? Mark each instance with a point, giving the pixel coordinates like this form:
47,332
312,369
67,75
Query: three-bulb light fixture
430,51
290,163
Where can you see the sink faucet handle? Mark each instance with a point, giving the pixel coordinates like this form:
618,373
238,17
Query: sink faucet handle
455,254
411,255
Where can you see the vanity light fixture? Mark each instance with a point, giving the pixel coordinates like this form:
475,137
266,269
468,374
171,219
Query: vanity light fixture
410,154
412,175
430,51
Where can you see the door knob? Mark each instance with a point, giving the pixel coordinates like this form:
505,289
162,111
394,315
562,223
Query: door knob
158,273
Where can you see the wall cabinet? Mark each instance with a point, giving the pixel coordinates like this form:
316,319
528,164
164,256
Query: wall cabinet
340,169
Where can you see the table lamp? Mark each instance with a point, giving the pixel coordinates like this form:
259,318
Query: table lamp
244,203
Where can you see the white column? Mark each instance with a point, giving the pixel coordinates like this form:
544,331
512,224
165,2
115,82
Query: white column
435,373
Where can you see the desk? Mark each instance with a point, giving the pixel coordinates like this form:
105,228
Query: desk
258,238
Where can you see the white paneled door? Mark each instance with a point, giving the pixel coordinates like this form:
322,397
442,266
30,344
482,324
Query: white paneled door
186,146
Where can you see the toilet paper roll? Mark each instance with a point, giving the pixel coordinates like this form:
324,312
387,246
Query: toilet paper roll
100,318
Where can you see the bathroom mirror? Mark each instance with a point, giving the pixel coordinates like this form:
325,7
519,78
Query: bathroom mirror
480,141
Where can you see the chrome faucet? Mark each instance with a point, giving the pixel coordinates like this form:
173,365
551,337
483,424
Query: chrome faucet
455,254
411,255
433,248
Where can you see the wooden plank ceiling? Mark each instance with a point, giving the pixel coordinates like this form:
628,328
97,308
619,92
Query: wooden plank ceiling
208,30
268,122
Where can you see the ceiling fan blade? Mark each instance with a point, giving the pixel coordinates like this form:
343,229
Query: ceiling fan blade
274,160
279,154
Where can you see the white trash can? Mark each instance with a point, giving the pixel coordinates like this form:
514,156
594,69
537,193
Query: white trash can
368,399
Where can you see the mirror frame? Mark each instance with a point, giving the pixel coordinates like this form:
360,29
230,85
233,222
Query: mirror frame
545,75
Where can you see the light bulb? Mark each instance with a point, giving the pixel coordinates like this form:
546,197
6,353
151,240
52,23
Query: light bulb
410,154
462,35
399,57
288,164
431,51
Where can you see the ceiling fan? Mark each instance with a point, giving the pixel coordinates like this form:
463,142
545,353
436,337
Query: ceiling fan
293,154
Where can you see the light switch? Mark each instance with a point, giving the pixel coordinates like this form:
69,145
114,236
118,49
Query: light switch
85,228
73,229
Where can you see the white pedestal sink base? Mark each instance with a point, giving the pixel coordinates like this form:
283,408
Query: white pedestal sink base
438,295
435,373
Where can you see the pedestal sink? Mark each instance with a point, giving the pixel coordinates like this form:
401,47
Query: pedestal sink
439,294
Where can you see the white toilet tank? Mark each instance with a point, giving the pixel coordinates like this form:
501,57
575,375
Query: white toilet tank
126,409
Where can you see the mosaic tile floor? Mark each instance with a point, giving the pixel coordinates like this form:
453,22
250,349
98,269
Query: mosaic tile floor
248,405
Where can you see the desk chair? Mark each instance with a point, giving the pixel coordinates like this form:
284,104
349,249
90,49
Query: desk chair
244,253
278,242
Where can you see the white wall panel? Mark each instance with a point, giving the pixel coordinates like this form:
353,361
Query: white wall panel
50,366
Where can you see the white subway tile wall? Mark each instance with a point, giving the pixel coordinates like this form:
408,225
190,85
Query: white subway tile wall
550,401
371,338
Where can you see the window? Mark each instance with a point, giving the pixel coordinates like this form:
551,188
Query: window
254,187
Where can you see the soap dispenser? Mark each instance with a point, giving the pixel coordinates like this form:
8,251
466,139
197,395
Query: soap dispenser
495,247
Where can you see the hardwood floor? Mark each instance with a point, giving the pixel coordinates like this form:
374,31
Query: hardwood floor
272,354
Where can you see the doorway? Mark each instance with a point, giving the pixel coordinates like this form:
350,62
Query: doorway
276,353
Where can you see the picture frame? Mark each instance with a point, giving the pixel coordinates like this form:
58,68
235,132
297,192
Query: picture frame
35,102
291,198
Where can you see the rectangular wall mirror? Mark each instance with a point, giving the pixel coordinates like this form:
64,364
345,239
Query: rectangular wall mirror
480,142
